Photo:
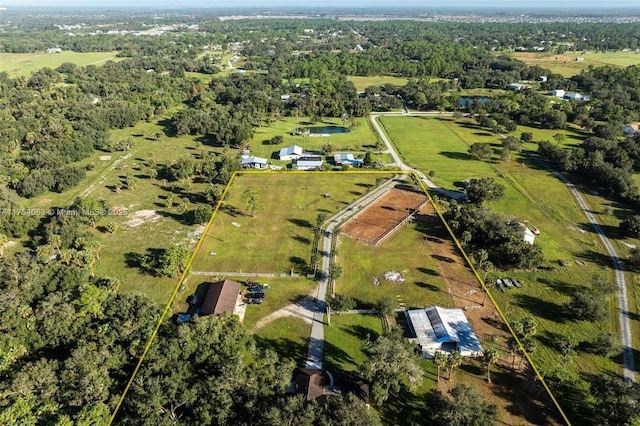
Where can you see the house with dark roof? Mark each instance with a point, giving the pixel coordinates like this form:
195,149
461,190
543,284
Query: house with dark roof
220,297
309,382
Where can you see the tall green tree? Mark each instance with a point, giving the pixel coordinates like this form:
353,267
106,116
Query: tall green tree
252,199
391,363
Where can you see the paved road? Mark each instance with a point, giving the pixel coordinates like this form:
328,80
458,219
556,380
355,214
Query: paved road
315,352
628,364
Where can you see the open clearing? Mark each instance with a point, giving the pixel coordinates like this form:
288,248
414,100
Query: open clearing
23,64
279,238
567,65
362,83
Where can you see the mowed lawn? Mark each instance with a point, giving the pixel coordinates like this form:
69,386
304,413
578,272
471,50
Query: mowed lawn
280,237
405,251
23,64
288,336
345,341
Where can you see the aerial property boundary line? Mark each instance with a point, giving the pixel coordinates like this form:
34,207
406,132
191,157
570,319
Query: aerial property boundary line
486,290
186,272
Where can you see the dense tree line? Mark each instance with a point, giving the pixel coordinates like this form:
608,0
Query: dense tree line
608,164
503,239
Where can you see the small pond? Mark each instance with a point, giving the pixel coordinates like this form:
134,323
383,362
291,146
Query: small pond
466,100
323,130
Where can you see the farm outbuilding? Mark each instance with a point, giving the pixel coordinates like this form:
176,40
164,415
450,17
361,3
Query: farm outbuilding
290,153
341,158
308,163
254,163
439,329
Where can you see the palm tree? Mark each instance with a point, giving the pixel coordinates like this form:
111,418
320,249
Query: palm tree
514,349
490,356
454,359
440,360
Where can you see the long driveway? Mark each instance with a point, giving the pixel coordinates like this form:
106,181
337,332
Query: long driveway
315,352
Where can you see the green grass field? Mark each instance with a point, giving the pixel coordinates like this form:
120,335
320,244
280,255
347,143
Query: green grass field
149,224
404,251
279,238
362,83
289,337
23,64
440,145
567,65
345,340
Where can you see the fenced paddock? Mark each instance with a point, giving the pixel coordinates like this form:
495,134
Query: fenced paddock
378,220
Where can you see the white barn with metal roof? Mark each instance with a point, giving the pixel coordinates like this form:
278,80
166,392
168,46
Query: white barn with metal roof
290,153
439,329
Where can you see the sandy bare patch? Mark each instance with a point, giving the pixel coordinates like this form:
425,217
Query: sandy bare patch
629,245
195,234
104,158
143,216
236,224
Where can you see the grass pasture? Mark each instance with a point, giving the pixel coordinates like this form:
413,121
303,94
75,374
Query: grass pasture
362,83
279,238
534,194
567,65
149,224
23,64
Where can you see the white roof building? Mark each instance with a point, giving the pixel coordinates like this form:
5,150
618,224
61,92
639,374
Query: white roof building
439,329
309,163
341,158
290,153
558,93
254,163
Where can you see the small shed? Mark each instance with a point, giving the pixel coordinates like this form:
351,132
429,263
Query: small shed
558,93
515,87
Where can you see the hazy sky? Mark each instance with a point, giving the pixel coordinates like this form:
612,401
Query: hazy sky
440,4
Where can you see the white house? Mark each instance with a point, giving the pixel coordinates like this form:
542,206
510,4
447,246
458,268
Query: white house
439,329
558,93
575,97
515,87
54,50
308,163
290,153
341,158
254,163
542,79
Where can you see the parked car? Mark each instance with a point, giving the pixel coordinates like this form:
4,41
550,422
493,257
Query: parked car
254,301
255,296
